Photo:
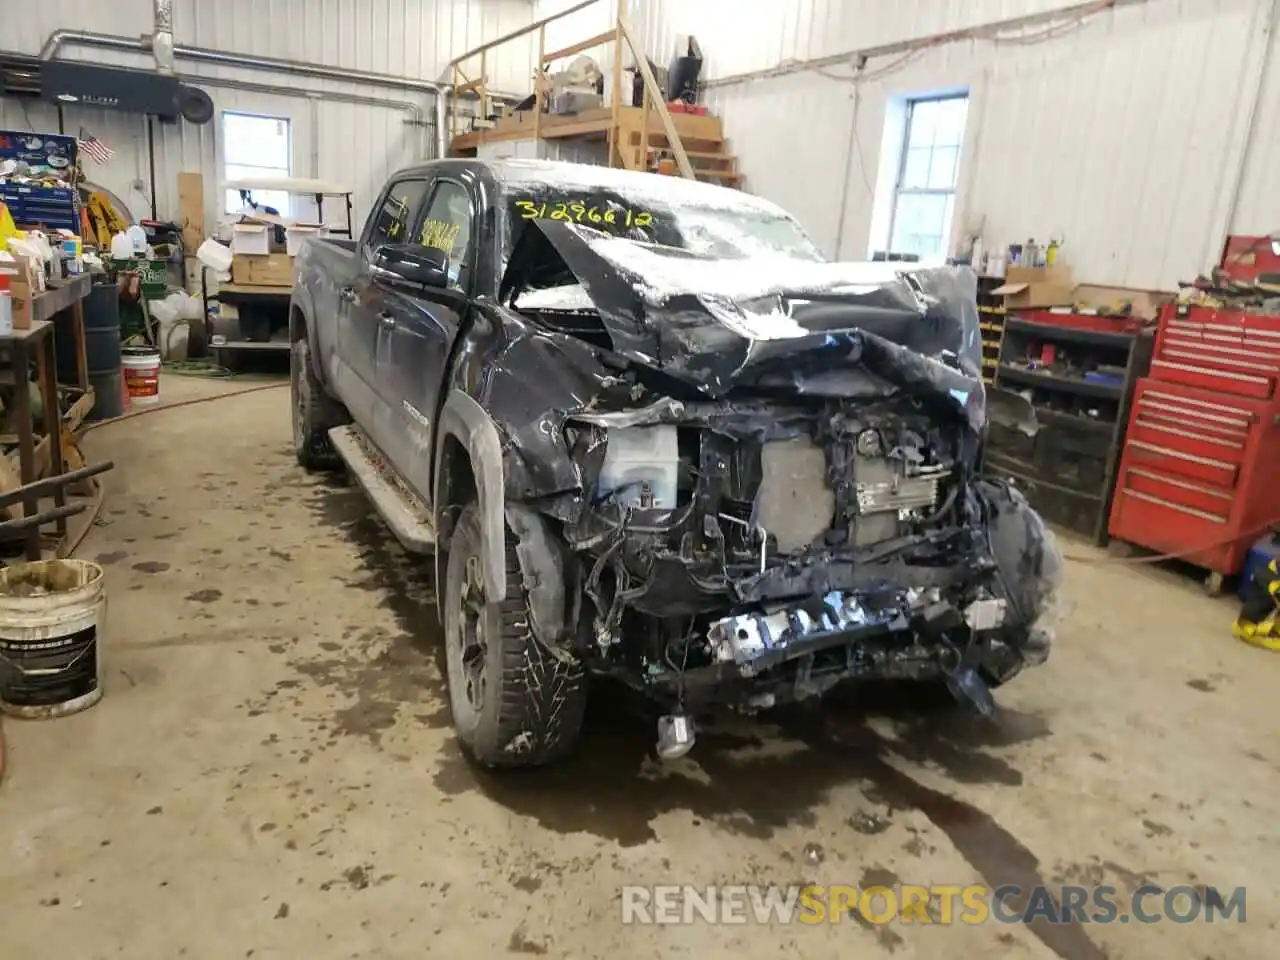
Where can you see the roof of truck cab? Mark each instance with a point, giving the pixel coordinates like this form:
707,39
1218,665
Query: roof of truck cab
637,186
634,184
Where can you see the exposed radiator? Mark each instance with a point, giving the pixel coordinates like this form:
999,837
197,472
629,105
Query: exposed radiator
894,493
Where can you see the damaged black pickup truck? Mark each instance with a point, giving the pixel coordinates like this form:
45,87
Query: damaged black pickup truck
650,435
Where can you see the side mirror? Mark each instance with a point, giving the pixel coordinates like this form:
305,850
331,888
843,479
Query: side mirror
410,263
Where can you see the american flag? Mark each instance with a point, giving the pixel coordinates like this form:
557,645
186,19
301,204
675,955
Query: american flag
94,149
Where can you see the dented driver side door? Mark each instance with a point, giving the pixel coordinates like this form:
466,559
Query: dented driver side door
426,324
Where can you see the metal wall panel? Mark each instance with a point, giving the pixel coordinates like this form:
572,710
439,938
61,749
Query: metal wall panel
359,144
1124,134
739,36
1257,211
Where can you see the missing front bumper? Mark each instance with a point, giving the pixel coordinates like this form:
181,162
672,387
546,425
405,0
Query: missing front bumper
757,639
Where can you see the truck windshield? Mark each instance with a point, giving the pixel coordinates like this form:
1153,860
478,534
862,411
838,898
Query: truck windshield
721,232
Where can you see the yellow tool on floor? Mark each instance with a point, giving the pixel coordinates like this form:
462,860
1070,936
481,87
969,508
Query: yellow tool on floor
1257,621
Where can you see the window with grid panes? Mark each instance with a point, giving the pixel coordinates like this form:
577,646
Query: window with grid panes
924,196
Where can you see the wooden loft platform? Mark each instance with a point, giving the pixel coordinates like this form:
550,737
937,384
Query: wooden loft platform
702,136
649,137
589,123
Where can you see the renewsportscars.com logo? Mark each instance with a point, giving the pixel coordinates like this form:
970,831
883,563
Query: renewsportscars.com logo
943,904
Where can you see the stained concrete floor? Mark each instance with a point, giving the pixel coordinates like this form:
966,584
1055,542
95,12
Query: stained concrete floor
271,773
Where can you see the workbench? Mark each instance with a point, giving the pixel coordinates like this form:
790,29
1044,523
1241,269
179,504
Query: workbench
56,313
22,345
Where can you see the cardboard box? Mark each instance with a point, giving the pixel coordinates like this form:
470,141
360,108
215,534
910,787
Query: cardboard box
22,296
1035,287
296,233
1092,300
251,238
269,270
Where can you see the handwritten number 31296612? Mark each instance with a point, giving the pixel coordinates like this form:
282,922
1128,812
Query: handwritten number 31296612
576,212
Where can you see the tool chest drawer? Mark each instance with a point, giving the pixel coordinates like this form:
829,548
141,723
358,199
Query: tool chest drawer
1190,471
1221,350
1188,433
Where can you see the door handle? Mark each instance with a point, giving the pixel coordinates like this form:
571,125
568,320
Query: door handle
348,294
386,319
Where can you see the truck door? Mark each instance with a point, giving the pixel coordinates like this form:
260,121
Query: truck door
426,324
366,322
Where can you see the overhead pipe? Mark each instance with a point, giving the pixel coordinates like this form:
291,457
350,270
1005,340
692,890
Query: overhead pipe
59,38
418,117
980,31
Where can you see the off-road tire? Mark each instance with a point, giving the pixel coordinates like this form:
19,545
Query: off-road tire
314,412
530,709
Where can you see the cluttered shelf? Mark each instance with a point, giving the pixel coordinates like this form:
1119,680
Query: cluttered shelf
1038,378
1051,416
1065,334
1018,469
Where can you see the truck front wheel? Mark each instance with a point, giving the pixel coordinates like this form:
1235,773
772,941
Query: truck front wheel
513,703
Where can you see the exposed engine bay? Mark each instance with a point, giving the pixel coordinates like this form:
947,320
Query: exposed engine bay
732,515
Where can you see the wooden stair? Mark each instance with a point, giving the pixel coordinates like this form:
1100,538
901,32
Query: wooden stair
708,153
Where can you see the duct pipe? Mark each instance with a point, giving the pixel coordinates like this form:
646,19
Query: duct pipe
417,118
162,38
298,68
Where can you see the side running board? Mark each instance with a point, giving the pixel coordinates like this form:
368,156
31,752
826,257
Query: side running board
403,512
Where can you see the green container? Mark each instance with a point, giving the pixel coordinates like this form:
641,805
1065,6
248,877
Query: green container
154,274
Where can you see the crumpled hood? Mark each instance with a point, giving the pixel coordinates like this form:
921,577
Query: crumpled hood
831,329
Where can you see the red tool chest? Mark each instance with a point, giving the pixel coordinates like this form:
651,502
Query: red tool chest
1201,460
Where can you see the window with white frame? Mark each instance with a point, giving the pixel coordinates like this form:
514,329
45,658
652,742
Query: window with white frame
256,146
925,192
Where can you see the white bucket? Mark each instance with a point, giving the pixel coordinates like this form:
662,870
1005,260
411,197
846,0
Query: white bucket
51,617
141,374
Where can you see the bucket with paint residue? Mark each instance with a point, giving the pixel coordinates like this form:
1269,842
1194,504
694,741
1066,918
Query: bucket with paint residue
141,373
51,616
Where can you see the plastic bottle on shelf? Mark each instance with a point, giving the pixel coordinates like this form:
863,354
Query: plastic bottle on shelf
121,247
138,240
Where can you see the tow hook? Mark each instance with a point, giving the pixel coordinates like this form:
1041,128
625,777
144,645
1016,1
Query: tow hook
675,736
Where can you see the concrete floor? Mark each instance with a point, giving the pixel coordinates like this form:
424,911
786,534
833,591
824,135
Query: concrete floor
271,773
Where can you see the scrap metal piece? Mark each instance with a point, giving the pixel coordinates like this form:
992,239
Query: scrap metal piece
746,637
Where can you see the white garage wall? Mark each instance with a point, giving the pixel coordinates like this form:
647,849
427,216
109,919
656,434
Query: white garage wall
358,144
1135,133
1125,133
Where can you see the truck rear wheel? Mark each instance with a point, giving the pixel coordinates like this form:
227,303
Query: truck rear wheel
315,413
514,704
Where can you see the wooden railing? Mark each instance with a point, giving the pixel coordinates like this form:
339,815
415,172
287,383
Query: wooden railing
463,83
